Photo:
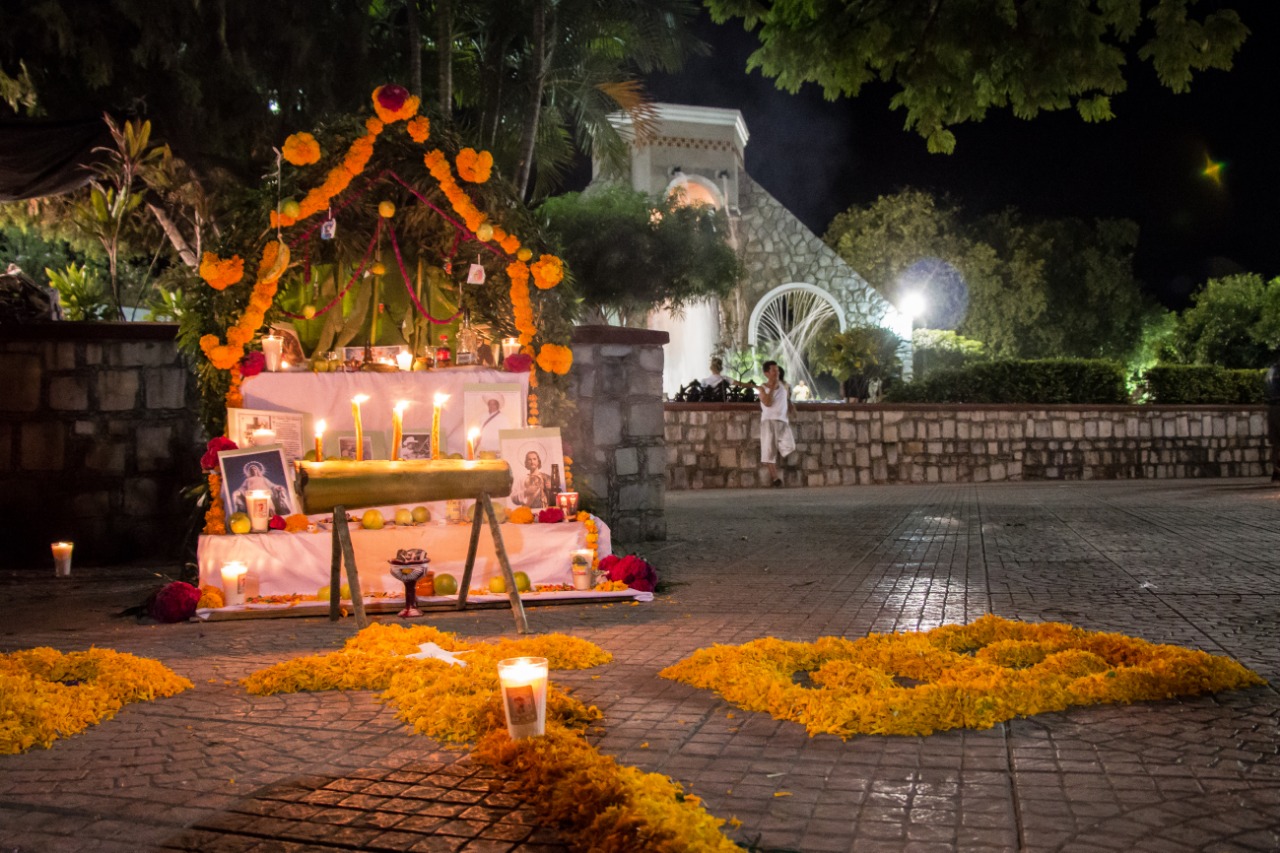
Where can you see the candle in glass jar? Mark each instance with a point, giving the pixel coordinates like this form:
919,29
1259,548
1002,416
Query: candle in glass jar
258,502
62,559
262,437
272,346
524,695
439,401
510,346
397,428
320,425
404,360
355,415
233,583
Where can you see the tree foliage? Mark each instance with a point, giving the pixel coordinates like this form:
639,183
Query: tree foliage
1233,322
950,61
1025,288
629,253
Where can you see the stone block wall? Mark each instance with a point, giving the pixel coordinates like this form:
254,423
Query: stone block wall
98,435
616,439
716,446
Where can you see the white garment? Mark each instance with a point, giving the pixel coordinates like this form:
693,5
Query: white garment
777,411
776,438
713,380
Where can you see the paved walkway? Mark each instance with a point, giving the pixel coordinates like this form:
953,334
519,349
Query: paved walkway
1189,562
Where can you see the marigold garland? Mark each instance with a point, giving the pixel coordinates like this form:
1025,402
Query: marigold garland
301,149
211,597
596,803
474,167
547,271
220,274
554,358
419,129
215,517
46,694
974,676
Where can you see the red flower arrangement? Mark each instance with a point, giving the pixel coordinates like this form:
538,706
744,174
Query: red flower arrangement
551,515
631,570
252,364
276,522
175,602
209,461
517,363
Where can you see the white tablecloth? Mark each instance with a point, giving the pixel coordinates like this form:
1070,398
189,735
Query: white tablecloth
282,563
328,396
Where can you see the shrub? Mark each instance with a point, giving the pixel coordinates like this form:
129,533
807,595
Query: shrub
1049,381
1172,384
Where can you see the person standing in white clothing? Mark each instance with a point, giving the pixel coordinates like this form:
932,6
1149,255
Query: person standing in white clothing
776,437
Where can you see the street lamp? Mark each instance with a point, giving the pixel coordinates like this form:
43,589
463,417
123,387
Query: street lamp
912,305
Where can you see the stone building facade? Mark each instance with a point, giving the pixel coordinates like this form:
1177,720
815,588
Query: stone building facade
699,152
718,446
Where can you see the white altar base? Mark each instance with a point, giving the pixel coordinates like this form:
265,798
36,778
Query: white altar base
282,563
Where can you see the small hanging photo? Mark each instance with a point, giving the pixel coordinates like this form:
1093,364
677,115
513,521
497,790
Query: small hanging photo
475,275
328,229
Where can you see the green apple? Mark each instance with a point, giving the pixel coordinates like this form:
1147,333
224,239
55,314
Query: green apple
404,518
372,520
239,523
421,514
497,584
446,584
522,582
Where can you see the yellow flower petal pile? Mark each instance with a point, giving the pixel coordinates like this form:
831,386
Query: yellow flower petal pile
970,676
597,804
45,694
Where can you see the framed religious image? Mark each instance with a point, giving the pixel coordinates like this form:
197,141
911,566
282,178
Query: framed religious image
492,408
342,445
262,427
265,468
292,356
536,461
415,444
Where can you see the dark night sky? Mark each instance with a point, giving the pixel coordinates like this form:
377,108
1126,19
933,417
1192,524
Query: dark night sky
819,157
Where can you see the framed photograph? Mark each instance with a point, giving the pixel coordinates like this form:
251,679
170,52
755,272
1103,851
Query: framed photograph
415,444
536,457
342,445
265,468
492,408
382,353
288,429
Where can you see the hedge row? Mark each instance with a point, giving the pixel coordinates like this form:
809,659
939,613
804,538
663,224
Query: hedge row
1079,381
1019,381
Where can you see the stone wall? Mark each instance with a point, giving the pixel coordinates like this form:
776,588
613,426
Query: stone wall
616,439
98,435
713,446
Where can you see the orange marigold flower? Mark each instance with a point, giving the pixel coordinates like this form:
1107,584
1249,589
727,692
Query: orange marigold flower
548,271
554,358
301,149
419,128
373,125
296,523
393,103
221,274
474,166
208,342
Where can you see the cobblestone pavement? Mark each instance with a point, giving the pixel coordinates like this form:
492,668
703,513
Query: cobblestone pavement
1190,562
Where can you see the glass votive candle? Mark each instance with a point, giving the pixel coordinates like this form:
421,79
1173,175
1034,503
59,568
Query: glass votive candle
580,562
510,346
233,574
272,347
62,559
568,503
524,695
262,437
258,502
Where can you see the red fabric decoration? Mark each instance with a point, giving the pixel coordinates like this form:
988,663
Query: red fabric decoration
209,462
175,602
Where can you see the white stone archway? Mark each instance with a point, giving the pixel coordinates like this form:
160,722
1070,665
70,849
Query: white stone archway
787,320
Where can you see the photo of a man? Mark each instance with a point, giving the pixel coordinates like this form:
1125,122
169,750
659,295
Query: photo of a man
491,409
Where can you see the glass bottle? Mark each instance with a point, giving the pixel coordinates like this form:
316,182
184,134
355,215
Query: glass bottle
468,341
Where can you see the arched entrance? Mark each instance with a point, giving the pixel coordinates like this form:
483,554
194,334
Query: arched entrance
788,320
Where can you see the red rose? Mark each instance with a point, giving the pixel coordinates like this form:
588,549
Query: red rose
276,522
175,602
518,363
551,515
631,570
209,462
392,97
252,364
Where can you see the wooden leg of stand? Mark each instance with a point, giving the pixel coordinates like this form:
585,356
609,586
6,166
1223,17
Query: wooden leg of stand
349,557
477,520
335,569
517,606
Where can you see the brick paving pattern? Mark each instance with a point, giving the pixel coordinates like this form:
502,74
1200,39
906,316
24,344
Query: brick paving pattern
1190,562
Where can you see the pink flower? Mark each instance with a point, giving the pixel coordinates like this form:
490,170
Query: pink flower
252,364
175,602
631,570
551,515
518,363
209,461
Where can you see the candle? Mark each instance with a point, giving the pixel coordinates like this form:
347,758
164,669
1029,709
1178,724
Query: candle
397,428
258,502
62,559
355,415
580,561
473,435
510,346
524,695
262,437
404,359
320,425
568,502
271,349
233,583
435,424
